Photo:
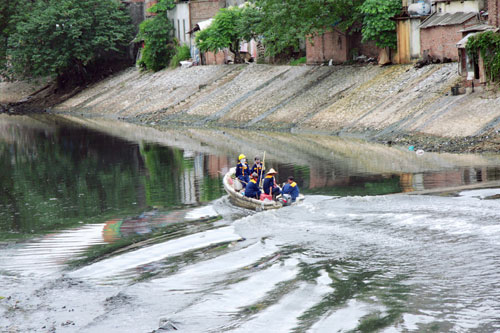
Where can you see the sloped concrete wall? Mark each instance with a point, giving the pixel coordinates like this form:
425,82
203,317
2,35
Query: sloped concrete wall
381,101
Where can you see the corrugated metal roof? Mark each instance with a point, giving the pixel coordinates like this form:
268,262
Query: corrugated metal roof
445,19
461,44
478,27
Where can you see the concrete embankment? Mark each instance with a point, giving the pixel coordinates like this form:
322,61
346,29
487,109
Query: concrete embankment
379,102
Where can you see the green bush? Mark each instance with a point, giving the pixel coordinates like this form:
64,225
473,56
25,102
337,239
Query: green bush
182,53
300,61
488,44
157,35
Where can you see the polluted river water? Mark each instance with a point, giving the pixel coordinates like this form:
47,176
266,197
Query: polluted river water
113,227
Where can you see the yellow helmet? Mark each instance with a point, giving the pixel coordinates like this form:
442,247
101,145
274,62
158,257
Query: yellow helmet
241,157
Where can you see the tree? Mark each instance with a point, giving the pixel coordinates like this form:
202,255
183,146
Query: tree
222,33
377,23
284,24
8,9
64,38
157,35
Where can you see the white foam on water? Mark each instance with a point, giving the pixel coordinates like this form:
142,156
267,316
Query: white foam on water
207,272
220,305
174,296
201,212
345,319
481,194
442,250
48,254
149,254
411,321
282,316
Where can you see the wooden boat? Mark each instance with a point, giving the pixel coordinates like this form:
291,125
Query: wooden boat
240,200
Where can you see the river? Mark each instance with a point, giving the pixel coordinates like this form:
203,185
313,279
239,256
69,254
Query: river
114,227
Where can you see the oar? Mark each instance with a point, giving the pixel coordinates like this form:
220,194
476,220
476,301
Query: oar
263,168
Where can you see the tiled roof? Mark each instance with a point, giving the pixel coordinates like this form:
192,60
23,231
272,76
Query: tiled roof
445,19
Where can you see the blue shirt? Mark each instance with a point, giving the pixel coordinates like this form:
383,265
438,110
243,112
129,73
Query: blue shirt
252,190
258,170
268,183
291,189
242,170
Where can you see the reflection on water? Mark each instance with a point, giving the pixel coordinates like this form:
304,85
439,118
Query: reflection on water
57,174
131,224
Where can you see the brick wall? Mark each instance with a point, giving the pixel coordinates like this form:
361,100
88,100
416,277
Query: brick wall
368,49
441,42
339,47
330,45
201,10
212,58
149,4
493,13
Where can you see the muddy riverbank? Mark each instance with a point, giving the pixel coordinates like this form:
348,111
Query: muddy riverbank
395,104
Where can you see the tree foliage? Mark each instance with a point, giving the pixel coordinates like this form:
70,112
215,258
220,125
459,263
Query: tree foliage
222,33
284,24
8,9
377,23
488,45
182,52
157,35
281,25
65,37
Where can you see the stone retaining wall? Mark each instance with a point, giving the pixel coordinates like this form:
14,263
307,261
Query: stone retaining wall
357,99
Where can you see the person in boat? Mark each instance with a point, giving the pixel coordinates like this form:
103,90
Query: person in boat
252,190
291,188
258,167
270,186
242,170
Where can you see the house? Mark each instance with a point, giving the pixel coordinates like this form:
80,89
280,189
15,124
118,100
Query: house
202,10
471,68
441,31
136,11
184,17
494,13
180,18
338,46
408,30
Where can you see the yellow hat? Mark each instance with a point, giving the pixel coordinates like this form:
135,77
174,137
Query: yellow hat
241,157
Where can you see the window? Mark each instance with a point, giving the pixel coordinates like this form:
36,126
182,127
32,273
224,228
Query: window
184,28
178,29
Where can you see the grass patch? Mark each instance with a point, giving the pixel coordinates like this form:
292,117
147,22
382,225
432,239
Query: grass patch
182,53
298,62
